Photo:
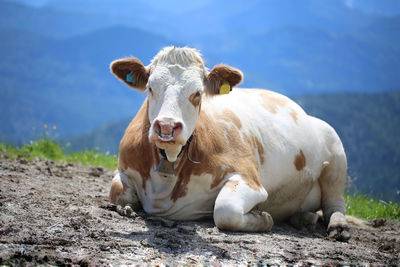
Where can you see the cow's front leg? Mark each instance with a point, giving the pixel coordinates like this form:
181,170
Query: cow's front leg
121,193
234,207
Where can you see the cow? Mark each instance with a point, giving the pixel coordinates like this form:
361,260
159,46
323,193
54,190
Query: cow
200,147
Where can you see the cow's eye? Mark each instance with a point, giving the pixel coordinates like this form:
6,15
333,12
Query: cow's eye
195,98
150,90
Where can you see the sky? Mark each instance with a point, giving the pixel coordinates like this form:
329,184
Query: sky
382,7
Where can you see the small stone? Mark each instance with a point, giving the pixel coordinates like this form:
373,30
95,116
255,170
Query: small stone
104,248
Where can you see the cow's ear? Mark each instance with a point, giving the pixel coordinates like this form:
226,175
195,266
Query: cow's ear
131,71
222,79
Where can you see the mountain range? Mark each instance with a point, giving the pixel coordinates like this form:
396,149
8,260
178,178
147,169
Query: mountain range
55,55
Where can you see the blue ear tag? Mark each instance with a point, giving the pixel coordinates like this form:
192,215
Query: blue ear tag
129,78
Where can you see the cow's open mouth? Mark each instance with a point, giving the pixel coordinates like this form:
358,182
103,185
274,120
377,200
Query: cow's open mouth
166,137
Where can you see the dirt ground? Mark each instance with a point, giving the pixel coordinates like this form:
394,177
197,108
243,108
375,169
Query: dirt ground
59,214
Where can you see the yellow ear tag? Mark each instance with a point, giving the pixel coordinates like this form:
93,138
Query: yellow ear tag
225,88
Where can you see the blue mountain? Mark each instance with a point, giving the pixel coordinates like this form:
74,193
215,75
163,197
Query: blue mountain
55,56
66,83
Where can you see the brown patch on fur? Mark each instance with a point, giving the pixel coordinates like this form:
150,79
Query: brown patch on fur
218,75
220,151
122,67
232,185
136,152
294,115
116,190
300,161
260,149
228,115
271,101
195,99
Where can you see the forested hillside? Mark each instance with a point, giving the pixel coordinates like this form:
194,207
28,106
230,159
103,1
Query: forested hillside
369,126
367,123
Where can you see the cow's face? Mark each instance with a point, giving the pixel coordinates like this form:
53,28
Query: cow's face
176,82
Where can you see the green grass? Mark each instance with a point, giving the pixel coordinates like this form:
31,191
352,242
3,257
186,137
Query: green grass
48,149
362,206
357,204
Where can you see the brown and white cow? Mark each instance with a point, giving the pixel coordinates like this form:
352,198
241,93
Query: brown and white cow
246,157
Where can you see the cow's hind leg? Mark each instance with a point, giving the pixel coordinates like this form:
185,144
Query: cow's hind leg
332,181
306,217
234,207
121,193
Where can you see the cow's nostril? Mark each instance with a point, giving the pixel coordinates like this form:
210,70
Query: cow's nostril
177,126
157,127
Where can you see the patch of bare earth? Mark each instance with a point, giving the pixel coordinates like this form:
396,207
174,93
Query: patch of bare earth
59,214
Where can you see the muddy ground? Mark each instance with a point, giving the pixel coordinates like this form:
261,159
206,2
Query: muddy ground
59,214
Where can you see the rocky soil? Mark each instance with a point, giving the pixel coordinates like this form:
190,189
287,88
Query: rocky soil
59,214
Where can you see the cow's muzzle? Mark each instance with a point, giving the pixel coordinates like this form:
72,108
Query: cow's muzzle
167,131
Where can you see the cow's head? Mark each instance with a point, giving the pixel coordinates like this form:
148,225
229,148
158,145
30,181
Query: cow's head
176,80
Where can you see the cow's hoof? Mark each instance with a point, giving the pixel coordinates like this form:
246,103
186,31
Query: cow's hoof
268,222
126,211
338,228
339,233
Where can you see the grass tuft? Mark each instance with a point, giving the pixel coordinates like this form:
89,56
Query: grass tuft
48,149
365,207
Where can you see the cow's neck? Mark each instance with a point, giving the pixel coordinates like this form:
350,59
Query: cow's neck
166,168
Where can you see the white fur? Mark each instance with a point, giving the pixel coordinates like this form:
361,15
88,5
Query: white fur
233,206
175,75
183,56
156,199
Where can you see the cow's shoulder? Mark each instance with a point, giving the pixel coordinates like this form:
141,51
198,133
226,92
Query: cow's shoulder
222,148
